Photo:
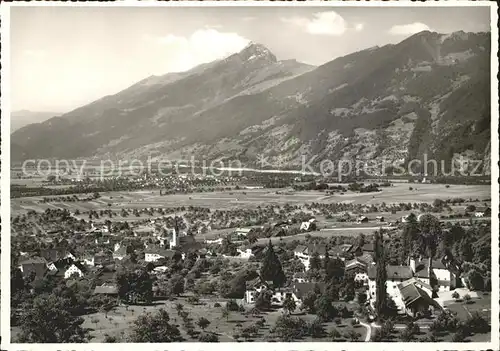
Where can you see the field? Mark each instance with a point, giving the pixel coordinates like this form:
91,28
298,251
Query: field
251,198
121,319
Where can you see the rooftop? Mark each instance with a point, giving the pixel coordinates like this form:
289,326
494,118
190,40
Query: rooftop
393,272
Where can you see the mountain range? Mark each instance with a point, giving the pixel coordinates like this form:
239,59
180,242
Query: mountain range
428,94
21,118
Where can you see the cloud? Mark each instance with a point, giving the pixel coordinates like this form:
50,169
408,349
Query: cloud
408,29
322,23
202,46
359,27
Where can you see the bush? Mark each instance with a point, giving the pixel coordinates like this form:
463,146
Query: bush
217,304
109,338
232,305
477,324
208,337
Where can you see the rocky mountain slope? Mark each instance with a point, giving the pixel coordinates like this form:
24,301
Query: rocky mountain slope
429,94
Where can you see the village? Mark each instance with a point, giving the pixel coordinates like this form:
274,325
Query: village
284,266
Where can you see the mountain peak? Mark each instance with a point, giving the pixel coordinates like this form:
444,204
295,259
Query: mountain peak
256,51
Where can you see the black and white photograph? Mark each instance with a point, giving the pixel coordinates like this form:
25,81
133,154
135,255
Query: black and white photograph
311,175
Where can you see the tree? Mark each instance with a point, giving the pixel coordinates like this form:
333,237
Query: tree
176,285
430,234
361,298
225,314
308,302
271,268
352,335
316,328
334,334
289,305
459,335
208,337
324,308
408,235
289,328
381,276
155,328
134,285
47,320
314,262
467,298
203,323
326,259
263,301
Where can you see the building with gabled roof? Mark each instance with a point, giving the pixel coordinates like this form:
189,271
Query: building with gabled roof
395,276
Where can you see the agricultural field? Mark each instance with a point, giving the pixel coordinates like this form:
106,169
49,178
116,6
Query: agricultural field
259,197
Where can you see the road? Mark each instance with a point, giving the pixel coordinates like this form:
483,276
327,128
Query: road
368,331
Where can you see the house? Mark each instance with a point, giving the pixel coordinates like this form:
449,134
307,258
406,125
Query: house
358,250
279,295
395,276
405,219
441,274
300,277
418,283
102,258
308,225
416,299
103,228
120,252
342,252
53,255
245,252
106,289
75,268
35,266
359,269
482,212
215,241
242,231
154,254
362,219
304,253
301,289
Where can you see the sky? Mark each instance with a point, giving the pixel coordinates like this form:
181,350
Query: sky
65,57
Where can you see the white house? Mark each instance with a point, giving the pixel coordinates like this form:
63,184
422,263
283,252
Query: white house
359,269
304,253
51,266
75,268
444,272
279,295
300,277
306,225
395,276
215,241
120,252
242,231
154,254
245,253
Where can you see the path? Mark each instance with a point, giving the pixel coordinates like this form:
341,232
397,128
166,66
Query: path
369,331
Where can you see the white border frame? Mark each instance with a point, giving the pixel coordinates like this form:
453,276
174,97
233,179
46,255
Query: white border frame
5,185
